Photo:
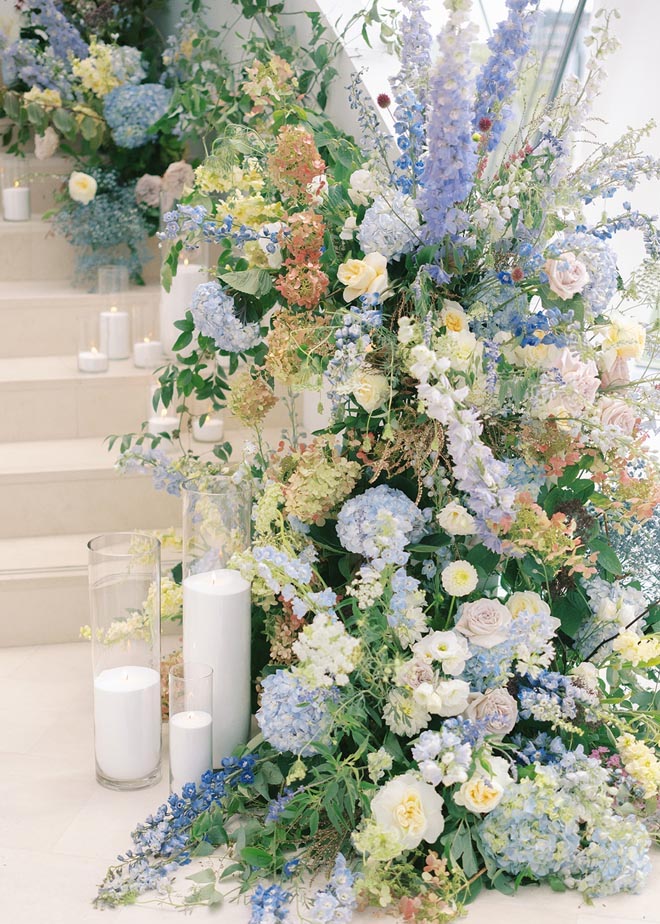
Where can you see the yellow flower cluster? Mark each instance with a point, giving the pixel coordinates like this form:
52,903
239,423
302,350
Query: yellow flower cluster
95,72
321,481
641,763
215,175
48,99
637,649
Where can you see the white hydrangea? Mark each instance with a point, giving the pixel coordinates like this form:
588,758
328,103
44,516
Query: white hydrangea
326,652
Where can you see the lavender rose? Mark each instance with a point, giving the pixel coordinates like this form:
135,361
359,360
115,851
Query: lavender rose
497,708
484,622
566,276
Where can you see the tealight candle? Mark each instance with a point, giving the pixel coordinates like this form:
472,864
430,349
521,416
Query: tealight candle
92,360
211,431
147,353
163,423
115,333
16,202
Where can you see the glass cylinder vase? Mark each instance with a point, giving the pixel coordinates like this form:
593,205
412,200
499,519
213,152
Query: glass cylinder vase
191,723
124,593
216,601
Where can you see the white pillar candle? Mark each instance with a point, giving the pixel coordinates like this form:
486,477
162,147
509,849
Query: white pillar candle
147,353
191,747
216,631
211,431
115,328
127,722
175,303
162,423
92,360
16,203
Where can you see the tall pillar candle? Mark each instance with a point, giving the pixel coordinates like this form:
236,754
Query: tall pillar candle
216,630
115,333
175,303
127,722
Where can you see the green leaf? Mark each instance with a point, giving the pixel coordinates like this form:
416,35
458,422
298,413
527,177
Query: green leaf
88,128
12,105
255,281
64,122
607,557
257,856
202,877
37,117
203,849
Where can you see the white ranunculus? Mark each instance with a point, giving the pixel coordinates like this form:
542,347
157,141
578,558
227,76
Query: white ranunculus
364,277
410,809
448,648
567,275
624,339
484,622
484,790
455,520
459,578
82,187
370,389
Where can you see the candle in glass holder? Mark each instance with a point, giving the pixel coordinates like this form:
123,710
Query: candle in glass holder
163,422
175,303
115,333
16,202
211,431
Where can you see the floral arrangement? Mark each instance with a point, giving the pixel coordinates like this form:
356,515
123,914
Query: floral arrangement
461,688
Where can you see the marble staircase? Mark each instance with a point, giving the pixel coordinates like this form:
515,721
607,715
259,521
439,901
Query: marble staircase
58,484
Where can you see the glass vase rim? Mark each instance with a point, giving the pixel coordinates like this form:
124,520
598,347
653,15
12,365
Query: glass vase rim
222,482
200,671
121,534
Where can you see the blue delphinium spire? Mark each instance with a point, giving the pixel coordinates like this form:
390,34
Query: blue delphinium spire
508,44
451,160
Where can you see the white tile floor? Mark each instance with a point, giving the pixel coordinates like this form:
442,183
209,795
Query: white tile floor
59,829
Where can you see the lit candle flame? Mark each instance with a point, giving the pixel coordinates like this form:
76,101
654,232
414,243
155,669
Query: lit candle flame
186,261
17,184
113,308
147,339
94,350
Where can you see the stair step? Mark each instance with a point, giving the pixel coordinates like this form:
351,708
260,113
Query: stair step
40,318
31,250
43,588
46,397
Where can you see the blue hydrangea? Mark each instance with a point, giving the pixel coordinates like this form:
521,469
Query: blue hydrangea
616,859
508,45
445,756
552,697
379,524
214,314
490,668
543,749
353,339
131,111
291,716
336,903
390,226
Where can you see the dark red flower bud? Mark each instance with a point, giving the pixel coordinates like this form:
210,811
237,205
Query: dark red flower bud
383,100
485,124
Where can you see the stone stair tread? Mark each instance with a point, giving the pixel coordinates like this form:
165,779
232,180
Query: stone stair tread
62,289
25,460
34,556
22,370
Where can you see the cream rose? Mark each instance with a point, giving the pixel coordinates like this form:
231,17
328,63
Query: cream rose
459,578
624,338
455,520
616,413
527,601
177,177
410,809
447,648
82,187
484,790
566,276
496,708
484,622
362,187
370,390
453,317
363,277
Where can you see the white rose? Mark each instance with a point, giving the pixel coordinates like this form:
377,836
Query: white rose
362,187
527,601
459,578
453,317
455,520
362,277
485,622
462,348
349,228
453,696
410,809
566,276
497,708
370,390
448,648
483,791
82,187
616,413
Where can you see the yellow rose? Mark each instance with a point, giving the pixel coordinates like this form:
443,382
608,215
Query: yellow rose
82,187
370,390
362,277
527,601
484,790
625,338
